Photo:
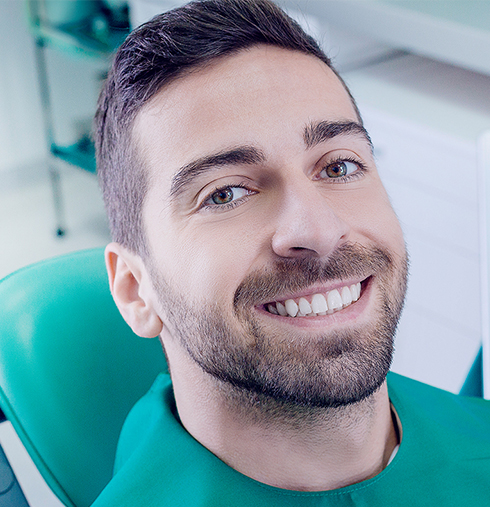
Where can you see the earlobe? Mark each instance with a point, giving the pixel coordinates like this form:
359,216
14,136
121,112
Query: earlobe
132,291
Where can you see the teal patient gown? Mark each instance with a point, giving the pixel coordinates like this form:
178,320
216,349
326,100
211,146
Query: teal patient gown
443,459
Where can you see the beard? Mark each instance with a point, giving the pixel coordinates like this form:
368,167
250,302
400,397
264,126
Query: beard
299,370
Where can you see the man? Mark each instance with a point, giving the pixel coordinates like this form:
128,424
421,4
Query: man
253,235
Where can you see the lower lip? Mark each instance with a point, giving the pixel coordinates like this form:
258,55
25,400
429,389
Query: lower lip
351,312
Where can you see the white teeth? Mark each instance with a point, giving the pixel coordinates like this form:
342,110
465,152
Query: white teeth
319,303
334,300
281,309
304,306
346,296
355,291
291,307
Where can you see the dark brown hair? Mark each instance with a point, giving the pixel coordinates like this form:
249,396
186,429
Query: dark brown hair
152,56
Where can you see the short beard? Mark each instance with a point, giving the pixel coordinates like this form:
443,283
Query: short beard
297,372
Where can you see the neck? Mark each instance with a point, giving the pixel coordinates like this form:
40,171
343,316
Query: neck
283,446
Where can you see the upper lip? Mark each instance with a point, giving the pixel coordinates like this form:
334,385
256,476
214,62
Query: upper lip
315,290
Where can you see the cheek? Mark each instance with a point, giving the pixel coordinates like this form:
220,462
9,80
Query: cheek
204,259
212,260
370,214
386,226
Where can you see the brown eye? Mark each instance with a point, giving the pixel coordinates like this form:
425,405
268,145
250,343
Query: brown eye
226,195
338,169
223,196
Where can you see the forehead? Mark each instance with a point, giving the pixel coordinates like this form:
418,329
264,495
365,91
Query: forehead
263,96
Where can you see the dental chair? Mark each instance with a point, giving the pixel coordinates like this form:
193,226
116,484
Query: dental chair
70,370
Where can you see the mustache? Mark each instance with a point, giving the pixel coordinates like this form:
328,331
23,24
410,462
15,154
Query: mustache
350,260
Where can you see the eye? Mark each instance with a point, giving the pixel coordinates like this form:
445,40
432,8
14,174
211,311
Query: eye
339,169
226,195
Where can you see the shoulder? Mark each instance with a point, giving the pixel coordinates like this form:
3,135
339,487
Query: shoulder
446,413
418,392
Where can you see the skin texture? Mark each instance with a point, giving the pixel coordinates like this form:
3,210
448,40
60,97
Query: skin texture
227,234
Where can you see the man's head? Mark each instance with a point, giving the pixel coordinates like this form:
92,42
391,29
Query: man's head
259,192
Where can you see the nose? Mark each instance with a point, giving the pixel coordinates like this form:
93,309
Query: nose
307,224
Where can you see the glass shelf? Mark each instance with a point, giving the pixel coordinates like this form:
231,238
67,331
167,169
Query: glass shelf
80,154
87,29
94,34
95,37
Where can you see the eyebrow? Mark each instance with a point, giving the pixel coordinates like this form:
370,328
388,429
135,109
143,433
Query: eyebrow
319,132
247,155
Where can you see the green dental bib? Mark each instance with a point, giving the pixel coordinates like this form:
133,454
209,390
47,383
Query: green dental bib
443,460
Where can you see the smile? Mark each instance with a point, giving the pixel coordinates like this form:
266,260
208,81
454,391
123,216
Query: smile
316,304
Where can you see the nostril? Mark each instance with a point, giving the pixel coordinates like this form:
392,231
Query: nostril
302,250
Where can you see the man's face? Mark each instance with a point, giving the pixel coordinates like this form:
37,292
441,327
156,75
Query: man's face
264,195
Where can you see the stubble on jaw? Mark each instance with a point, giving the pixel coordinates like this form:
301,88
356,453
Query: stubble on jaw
294,377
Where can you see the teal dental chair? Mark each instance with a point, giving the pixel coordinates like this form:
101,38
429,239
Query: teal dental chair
70,370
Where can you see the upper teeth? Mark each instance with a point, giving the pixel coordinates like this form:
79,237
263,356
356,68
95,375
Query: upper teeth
319,304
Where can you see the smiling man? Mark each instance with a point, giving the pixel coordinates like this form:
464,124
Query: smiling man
252,233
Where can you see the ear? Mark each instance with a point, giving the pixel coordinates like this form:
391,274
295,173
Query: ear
132,290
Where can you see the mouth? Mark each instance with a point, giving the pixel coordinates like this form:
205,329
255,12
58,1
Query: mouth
317,304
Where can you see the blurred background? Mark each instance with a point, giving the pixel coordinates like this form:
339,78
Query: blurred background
420,71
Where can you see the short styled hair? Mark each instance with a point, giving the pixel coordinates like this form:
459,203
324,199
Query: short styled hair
154,55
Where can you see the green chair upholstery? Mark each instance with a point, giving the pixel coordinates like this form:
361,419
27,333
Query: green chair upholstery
70,370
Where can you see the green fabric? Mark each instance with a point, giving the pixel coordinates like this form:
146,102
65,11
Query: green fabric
443,460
